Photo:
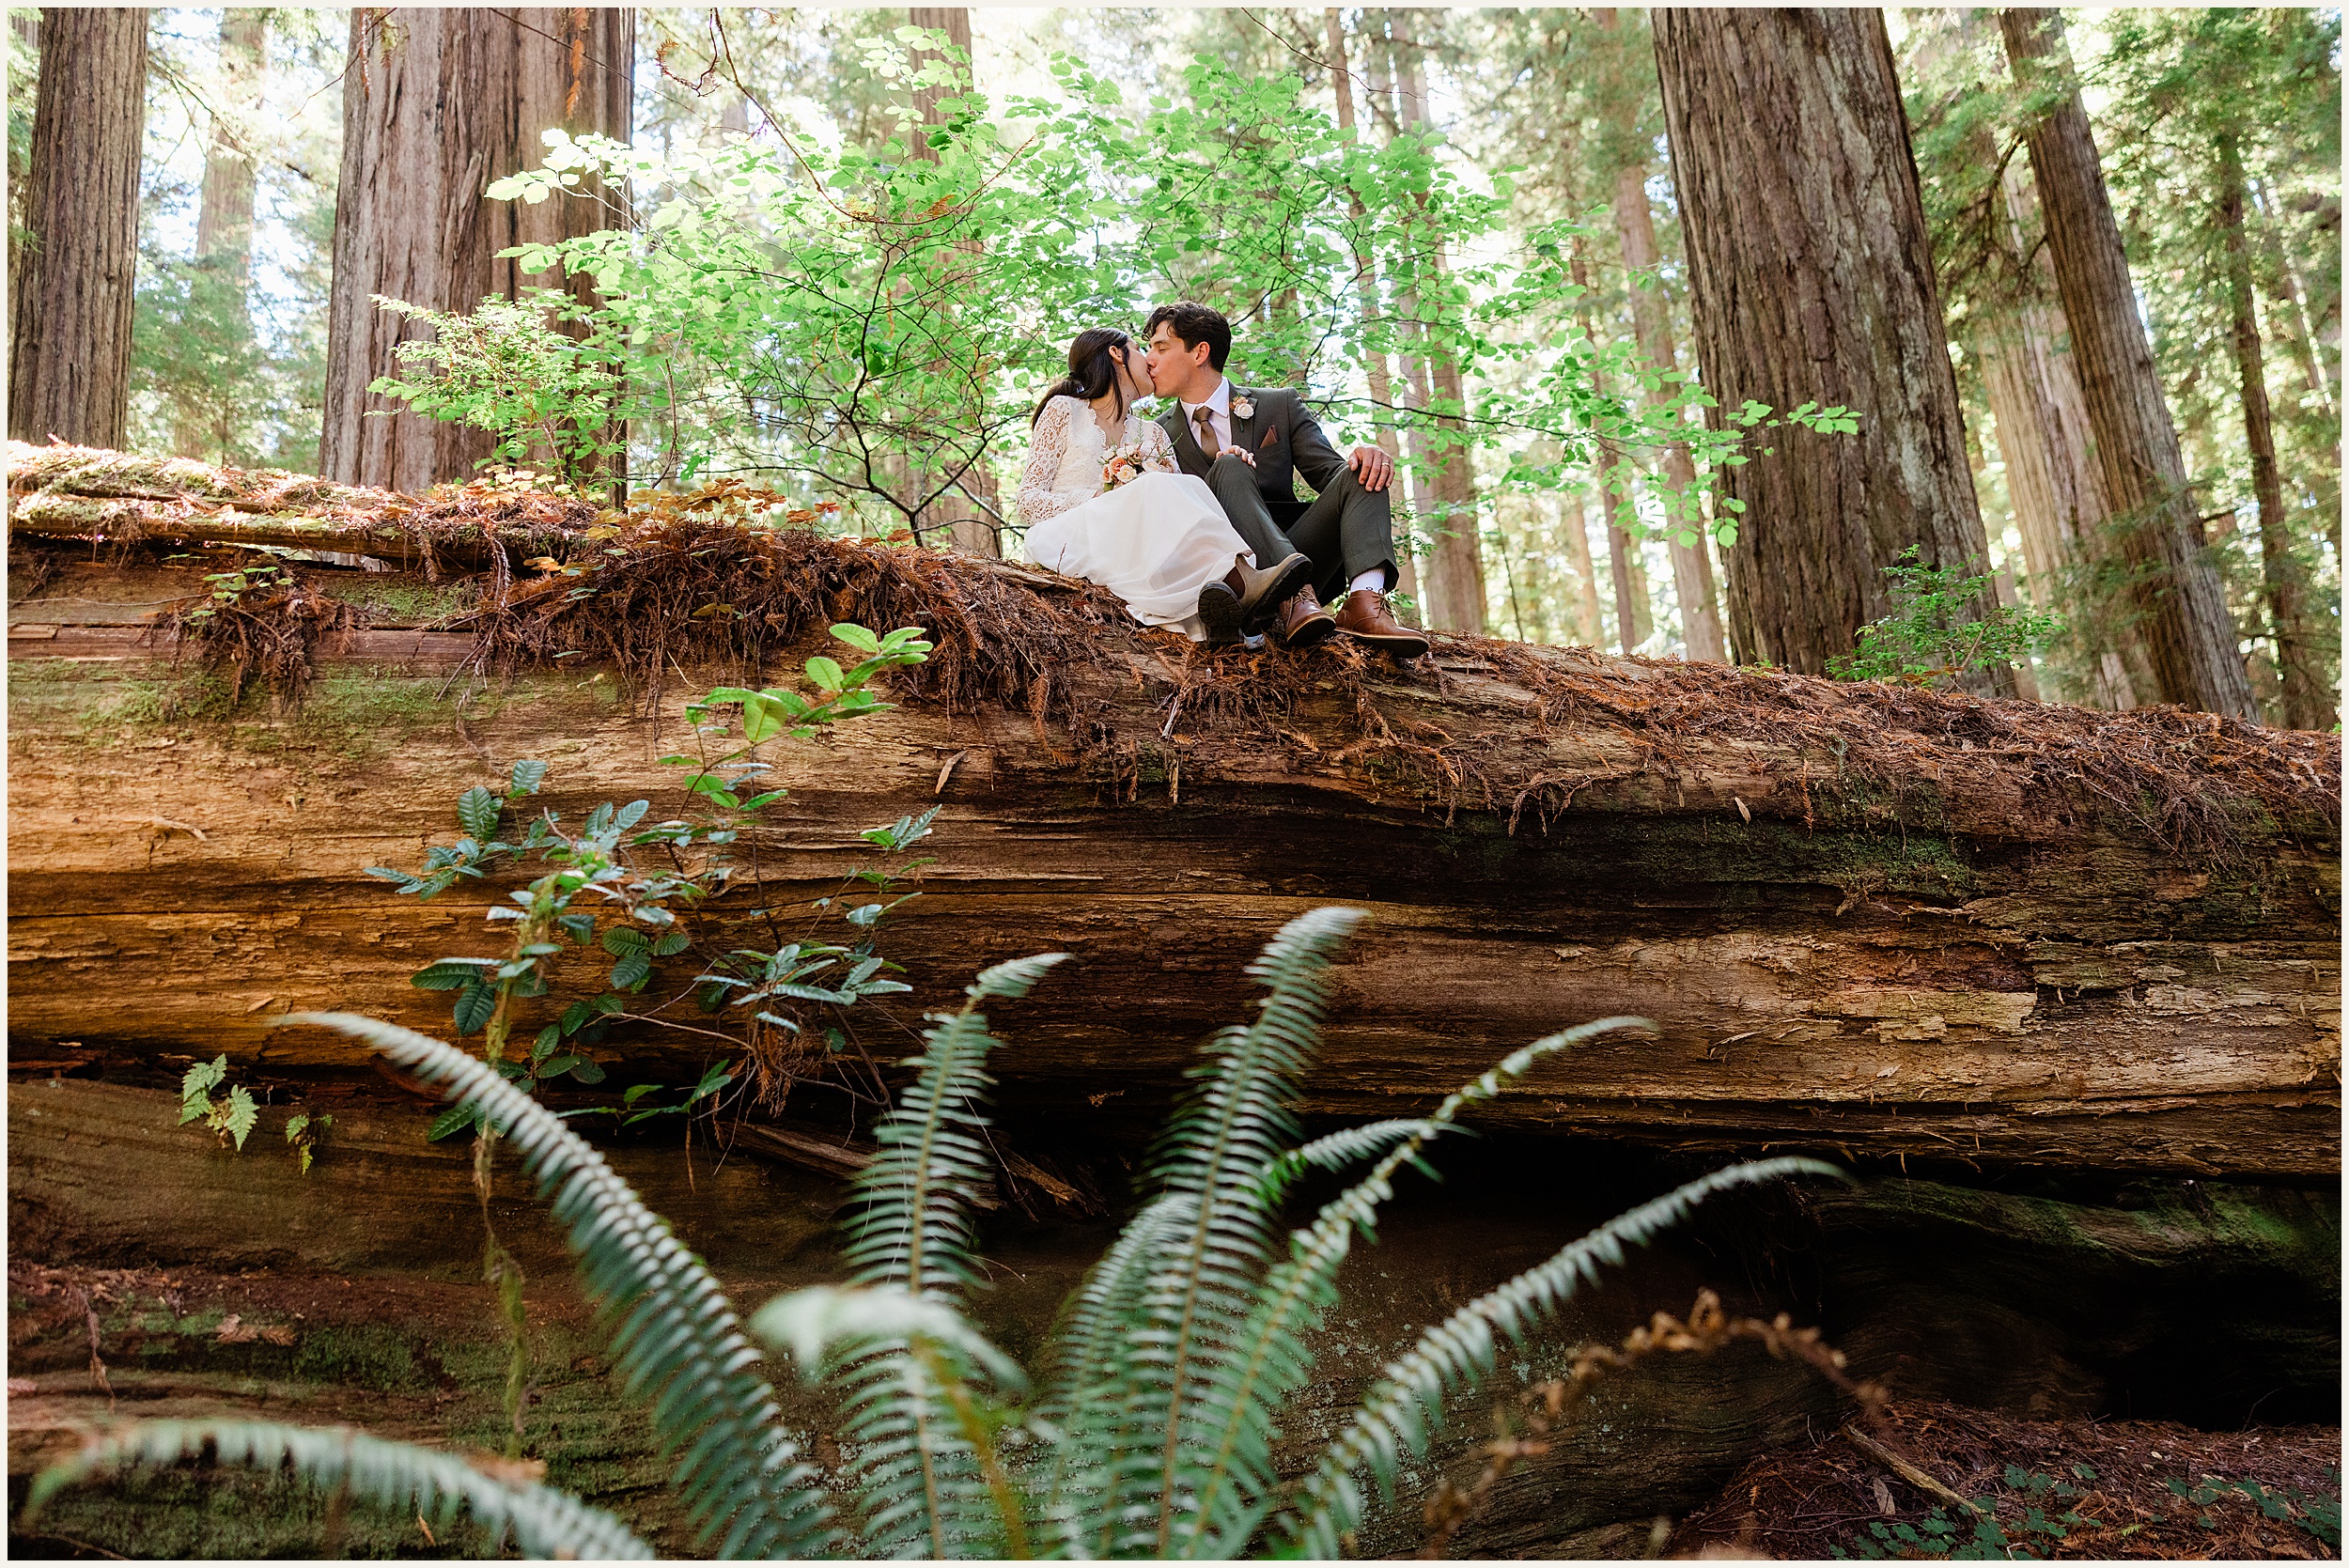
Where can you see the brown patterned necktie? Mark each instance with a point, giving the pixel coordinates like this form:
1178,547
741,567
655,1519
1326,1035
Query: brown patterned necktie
1203,417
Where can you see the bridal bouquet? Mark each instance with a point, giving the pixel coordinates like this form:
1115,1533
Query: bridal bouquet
1121,465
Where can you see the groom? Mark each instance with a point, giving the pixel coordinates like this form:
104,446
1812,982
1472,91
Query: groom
1246,442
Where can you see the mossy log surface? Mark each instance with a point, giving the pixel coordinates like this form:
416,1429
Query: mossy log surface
1996,988
62,491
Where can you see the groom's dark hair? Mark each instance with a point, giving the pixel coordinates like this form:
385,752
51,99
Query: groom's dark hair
1195,323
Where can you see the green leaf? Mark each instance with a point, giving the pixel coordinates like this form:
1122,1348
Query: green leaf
477,812
632,971
857,637
741,1485
620,940
527,777
404,1478
447,974
201,1078
241,1115
548,1039
672,945
587,1070
475,1004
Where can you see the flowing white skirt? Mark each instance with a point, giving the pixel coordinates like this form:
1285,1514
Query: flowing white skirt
1154,543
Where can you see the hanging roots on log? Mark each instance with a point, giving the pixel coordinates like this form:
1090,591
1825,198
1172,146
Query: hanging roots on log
683,587
710,577
269,627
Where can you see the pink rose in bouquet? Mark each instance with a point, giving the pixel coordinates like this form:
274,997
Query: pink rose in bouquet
1121,465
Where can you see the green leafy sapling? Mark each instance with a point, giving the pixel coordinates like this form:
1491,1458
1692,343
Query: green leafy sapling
543,394
601,868
232,1115
1942,626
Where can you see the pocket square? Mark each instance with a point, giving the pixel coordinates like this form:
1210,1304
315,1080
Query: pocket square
1269,437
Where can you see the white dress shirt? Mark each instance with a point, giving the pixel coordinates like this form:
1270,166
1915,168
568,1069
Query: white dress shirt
1219,406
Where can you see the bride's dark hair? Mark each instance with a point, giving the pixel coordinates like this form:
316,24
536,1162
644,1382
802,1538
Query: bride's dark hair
1092,370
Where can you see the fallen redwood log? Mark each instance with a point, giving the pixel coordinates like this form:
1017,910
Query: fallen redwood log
1865,919
63,491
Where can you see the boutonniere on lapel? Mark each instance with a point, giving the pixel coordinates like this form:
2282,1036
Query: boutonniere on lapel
1243,407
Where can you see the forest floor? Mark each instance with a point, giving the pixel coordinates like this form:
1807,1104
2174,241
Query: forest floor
2079,1489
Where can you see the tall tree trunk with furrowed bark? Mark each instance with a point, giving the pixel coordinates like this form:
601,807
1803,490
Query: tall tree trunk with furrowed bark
437,101
1635,236
2051,475
1375,365
2306,707
224,218
1453,578
69,344
965,521
1692,567
2188,634
1811,280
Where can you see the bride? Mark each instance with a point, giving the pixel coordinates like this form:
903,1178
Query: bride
1102,499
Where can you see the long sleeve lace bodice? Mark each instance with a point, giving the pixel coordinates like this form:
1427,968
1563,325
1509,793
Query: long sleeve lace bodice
1064,454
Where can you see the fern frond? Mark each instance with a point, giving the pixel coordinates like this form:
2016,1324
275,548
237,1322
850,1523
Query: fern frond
921,1435
1339,1150
1271,1361
1403,1410
1080,1409
672,1333
1197,1292
913,1224
404,1477
902,1358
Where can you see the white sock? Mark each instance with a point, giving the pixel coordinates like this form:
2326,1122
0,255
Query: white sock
1374,580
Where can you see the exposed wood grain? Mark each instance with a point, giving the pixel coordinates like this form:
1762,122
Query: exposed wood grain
1995,992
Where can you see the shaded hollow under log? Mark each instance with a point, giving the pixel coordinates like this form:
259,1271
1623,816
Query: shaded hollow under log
1866,919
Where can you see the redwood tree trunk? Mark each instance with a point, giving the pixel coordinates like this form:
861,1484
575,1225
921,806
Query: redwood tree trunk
1590,621
2052,481
2305,704
2189,636
1811,281
224,218
1453,578
439,101
1692,569
1375,365
70,350
966,521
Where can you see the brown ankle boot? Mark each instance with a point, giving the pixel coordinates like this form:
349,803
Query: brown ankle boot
1302,621
1263,591
1367,617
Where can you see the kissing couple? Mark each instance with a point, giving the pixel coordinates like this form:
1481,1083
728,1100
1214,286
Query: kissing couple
1193,520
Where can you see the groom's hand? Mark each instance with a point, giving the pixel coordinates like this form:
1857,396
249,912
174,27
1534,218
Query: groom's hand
1371,466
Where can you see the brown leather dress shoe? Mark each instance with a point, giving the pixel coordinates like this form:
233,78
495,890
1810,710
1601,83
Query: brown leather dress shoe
1368,617
1302,621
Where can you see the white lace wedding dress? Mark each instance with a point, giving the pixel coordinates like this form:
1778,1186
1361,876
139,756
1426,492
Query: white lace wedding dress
1154,541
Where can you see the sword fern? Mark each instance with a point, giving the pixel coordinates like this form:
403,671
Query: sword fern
1153,1431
